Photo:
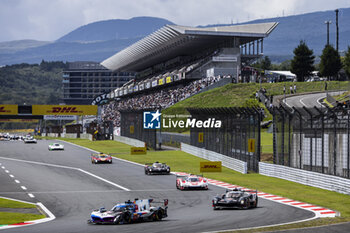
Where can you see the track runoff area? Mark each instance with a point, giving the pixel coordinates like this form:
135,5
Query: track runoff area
69,187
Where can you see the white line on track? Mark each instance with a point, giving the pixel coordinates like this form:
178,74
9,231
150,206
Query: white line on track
23,187
66,167
17,181
31,195
12,176
7,171
318,100
2,167
301,101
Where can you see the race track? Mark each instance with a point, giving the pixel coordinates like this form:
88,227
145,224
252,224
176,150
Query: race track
71,187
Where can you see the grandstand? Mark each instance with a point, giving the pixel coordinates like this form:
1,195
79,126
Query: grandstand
176,62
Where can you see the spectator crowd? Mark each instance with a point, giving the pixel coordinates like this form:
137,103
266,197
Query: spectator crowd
160,99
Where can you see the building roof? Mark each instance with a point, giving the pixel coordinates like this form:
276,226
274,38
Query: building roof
172,41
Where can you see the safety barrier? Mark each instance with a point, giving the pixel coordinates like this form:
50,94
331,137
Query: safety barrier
228,162
315,179
69,135
129,141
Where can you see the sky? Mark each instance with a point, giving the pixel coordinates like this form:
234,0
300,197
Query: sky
48,20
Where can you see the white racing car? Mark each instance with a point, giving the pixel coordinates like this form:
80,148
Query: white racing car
191,182
56,146
30,139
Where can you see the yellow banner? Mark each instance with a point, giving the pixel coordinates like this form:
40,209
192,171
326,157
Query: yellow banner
19,120
251,145
161,81
210,166
168,79
64,109
200,137
132,129
138,150
8,109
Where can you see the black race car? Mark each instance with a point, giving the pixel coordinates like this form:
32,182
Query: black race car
236,198
156,168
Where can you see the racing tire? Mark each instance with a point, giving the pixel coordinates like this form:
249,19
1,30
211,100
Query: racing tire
155,216
160,214
215,208
255,203
246,204
116,220
182,188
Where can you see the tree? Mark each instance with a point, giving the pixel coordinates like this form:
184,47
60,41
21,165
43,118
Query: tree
303,60
347,62
264,64
330,62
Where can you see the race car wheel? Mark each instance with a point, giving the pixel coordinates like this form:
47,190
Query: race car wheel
155,216
246,204
255,203
182,188
160,214
215,207
117,220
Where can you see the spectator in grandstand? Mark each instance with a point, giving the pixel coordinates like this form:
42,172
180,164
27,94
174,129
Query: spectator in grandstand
163,99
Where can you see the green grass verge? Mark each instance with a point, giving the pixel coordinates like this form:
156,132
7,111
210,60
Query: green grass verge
266,142
5,203
7,218
12,218
183,162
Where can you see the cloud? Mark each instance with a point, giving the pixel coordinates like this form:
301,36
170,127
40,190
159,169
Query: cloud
49,20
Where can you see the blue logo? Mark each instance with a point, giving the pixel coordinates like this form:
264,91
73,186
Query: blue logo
151,120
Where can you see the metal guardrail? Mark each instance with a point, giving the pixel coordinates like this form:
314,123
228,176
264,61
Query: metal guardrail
315,179
231,163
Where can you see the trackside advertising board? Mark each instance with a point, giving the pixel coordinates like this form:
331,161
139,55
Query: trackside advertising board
19,120
138,150
64,109
210,166
8,109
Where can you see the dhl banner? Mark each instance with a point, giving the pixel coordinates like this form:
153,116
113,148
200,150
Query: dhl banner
64,109
138,150
210,166
168,79
7,109
19,120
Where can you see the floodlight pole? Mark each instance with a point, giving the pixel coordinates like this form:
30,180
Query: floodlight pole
337,29
328,22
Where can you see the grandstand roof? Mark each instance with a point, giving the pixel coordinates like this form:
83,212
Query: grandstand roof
172,41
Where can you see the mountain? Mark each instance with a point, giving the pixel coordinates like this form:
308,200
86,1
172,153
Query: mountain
98,41
137,27
309,27
18,45
92,42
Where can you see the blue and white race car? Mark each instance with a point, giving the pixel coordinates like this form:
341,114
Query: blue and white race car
129,212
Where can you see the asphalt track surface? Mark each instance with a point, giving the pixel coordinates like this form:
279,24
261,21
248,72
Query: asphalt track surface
309,100
72,194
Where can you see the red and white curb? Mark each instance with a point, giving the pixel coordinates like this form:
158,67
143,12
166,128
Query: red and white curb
48,213
319,211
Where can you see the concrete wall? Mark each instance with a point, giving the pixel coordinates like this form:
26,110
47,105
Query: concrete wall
228,162
129,141
315,179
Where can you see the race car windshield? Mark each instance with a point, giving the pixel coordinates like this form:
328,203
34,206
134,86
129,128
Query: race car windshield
102,156
194,179
118,208
57,144
231,195
157,165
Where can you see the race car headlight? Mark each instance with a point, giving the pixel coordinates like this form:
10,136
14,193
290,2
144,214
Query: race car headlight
242,201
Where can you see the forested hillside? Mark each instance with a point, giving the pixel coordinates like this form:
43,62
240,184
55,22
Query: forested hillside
31,84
